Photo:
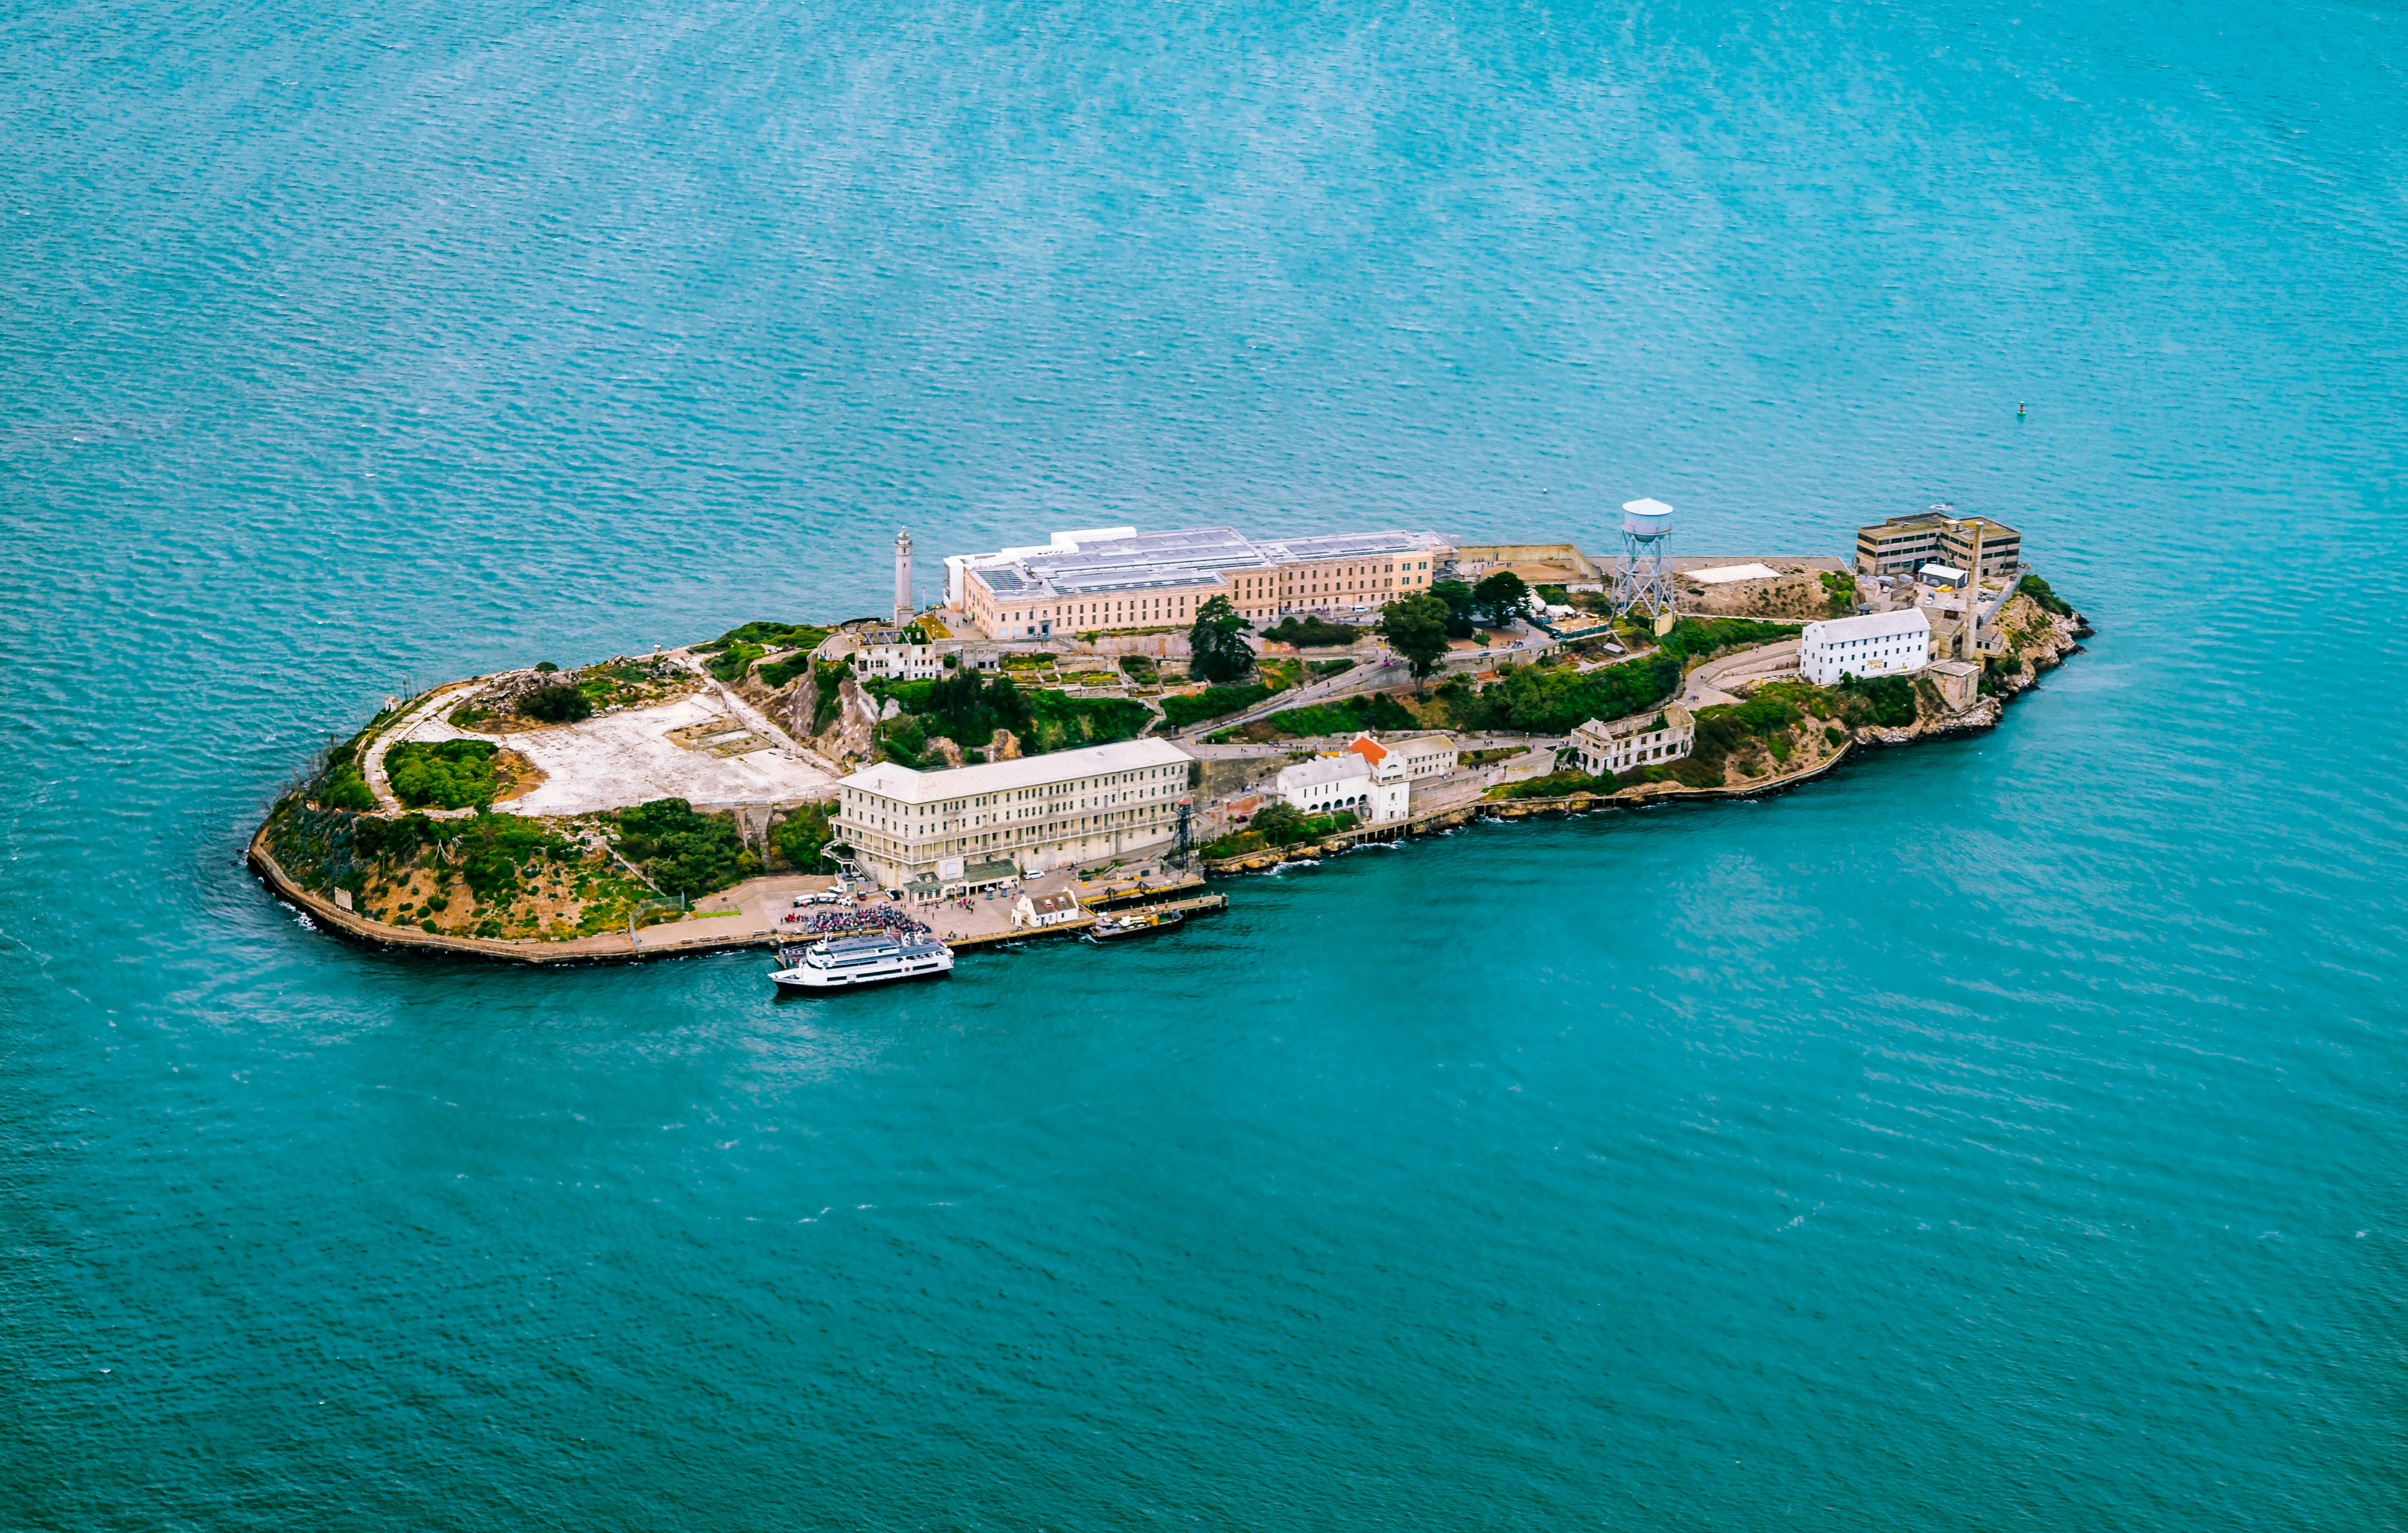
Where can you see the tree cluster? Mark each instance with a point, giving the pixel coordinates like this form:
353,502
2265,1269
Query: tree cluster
447,773
558,704
683,852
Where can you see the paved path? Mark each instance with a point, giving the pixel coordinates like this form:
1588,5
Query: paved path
760,723
1367,676
1704,685
398,730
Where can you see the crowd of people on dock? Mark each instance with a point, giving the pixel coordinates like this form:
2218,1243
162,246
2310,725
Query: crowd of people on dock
873,919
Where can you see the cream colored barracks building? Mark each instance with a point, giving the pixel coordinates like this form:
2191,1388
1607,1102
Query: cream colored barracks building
1039,812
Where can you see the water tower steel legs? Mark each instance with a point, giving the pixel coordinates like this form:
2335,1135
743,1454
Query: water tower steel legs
1646,579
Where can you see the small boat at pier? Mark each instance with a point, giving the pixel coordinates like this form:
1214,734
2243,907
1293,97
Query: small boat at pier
1113,928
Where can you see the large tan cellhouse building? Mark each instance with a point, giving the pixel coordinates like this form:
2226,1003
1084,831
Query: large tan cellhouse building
1121,578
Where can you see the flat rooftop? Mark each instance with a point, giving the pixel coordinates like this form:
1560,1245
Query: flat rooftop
1086,564
904,785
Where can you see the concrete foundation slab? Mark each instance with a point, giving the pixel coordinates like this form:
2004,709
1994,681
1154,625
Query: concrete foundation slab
617,759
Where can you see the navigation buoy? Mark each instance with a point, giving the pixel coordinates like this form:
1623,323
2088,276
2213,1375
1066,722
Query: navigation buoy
2019,412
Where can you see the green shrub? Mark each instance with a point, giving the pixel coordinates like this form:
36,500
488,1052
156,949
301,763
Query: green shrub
545,668
1839,594
1332,668
1372,711
775,635
731,663
452,774
1347,716
1188,708
496,848
1281,823
829,677
1556,785
775,674
1308,633
561,703
684,852
391,842
800,836
1701,638
344,788
1059,721
1886,700
2049,601
968,707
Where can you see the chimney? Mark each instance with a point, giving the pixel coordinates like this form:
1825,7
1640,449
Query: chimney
1974,599
904,609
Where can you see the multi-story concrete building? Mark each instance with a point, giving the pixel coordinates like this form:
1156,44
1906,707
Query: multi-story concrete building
1904,544
1642,739
1039,813
1121,578
1899,546
2002,546
1878,644
886,654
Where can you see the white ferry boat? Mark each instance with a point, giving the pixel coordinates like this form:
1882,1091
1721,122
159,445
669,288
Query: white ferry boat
847,963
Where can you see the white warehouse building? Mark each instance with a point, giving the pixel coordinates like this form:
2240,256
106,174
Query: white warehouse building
1878,644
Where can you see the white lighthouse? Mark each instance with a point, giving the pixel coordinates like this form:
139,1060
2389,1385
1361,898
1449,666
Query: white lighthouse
904,609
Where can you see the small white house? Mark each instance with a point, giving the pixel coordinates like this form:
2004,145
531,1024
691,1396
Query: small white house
1876,644
1641,740
1033,912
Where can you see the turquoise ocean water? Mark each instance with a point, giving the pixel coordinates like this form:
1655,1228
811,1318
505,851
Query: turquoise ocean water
2003,1134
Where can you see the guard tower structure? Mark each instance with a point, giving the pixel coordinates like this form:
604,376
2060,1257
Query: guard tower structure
1645,579
904,607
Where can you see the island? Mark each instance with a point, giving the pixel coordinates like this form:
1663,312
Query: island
1117,718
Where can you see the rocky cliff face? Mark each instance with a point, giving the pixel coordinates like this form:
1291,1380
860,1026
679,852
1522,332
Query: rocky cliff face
793,707
850,737
790,707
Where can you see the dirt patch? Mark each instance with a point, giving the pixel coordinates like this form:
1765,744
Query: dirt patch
1795,593
517,775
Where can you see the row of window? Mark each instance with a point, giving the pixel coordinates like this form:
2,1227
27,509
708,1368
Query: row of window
881,812
1302,581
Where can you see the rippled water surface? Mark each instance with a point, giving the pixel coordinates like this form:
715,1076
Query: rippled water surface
2005,1133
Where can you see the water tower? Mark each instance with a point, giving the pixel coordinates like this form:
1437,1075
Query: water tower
1646,577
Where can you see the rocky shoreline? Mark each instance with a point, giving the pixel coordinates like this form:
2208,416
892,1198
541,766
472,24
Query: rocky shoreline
2037,642
2046,649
